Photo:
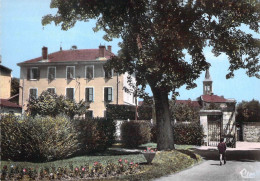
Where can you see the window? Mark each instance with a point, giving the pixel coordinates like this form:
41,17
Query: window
33,73
89,95
90,72
51,90
108,74
51,73
70,93
70,72
108,94
89,114
33,93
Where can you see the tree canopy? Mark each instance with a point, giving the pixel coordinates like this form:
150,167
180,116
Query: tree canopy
158,36
248,111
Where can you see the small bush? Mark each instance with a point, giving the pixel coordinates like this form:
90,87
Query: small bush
37,139
145,112
189,134
121,112
95,135
135,133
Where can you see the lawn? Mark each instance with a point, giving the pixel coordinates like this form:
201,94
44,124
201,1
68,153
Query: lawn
164,162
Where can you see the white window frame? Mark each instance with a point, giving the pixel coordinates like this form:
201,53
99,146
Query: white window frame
104,93
93,93
73,71
31,73
54,73
30,91
52,88
112,73
86,71
73,92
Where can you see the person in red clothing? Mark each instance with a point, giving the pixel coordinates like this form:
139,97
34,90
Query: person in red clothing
222,151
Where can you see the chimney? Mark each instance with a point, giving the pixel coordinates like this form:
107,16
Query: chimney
102,51
44,53
109,48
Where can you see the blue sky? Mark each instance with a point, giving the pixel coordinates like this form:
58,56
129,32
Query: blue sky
23,36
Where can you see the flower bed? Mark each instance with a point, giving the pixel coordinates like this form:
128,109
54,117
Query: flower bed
97,170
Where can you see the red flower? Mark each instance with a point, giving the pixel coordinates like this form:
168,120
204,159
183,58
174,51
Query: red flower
120,160
76,168
83,169
95,163
24,170
126,161
148,148
152,151
131,163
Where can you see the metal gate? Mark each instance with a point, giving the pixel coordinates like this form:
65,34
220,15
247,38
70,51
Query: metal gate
214,133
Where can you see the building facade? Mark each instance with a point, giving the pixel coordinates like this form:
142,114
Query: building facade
76,74
5,82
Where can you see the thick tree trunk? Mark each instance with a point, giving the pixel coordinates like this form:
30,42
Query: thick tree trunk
164,128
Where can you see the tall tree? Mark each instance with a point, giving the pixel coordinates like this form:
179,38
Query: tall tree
157,35
14,86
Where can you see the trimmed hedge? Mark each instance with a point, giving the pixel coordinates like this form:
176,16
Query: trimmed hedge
184,133
37,139
124,112
188,133
135,133
95,135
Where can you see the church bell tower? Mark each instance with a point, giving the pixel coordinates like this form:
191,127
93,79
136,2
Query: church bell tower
207,84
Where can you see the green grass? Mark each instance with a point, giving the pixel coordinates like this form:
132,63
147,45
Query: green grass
178,147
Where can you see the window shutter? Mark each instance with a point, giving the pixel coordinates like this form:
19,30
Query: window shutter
87,95
109,94
106,94
28,73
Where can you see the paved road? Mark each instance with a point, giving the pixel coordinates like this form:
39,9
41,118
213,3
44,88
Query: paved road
243,163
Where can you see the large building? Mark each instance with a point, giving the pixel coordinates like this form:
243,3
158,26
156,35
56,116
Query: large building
76,74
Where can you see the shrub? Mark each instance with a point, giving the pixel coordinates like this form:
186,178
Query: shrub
95,134
37,139
135,133
145,112
189,134
184,133
49,104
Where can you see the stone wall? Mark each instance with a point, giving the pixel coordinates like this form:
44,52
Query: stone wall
251,131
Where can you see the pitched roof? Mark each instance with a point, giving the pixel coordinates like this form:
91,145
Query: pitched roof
5,68
189,102
72,55
6,103
213,98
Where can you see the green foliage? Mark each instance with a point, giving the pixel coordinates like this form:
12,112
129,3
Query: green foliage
124,112
184,133
248,111
95,135
14,86
135,133
48,104
188,134
120,112
145,112
184,112
37,139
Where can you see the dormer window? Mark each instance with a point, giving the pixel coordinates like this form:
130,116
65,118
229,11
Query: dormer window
51,73
70,72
